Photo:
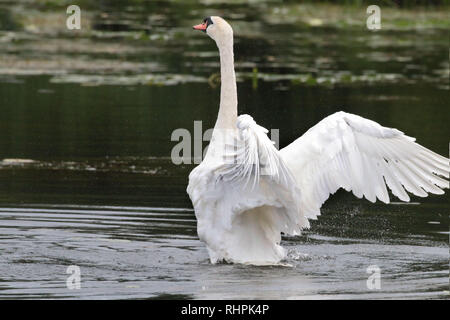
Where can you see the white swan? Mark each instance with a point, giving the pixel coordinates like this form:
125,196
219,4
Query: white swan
246,192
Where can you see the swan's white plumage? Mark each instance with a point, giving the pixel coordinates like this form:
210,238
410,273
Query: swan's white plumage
252,155
244,198
246,192
359,155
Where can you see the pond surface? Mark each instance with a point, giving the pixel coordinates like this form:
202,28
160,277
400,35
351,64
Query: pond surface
85,137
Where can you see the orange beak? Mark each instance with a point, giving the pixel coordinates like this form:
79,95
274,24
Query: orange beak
201,27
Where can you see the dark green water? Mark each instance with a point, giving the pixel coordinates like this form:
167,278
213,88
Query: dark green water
95,109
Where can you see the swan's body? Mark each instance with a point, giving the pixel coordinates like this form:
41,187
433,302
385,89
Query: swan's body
246,192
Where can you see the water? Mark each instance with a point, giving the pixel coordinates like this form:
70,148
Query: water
149,252
86,121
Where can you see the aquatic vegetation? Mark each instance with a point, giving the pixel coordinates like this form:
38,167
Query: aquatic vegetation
143,79
349,17
8,21
326,79
16,162
134,39
144,165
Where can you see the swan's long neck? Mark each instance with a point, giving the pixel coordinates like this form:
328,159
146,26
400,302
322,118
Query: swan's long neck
227,116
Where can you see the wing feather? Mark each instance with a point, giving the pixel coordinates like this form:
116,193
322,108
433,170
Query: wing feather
253,155
359,155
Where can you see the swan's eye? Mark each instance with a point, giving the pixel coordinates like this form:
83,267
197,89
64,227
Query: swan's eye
208,21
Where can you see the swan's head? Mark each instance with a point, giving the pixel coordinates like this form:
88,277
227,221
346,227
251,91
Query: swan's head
217,28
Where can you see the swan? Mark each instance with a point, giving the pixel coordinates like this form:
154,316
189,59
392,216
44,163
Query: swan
246,193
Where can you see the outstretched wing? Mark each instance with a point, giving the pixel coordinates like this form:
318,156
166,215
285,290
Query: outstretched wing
359,155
